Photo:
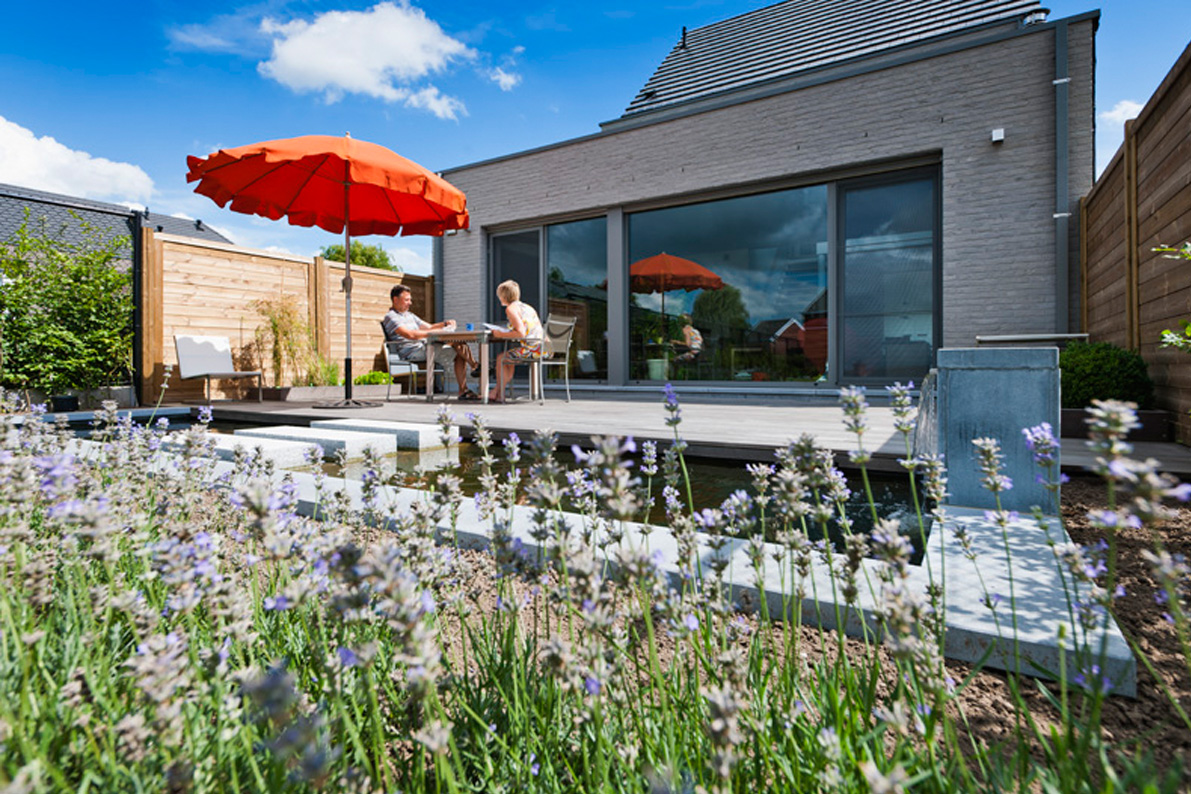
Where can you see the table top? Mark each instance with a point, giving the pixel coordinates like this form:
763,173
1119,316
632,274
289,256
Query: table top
458,335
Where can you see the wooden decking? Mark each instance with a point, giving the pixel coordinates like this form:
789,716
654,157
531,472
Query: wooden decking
743,430
749,429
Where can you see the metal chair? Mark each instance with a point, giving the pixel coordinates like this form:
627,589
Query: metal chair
559,331
400,367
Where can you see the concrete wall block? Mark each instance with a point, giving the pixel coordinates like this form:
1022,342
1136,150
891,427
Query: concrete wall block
995,393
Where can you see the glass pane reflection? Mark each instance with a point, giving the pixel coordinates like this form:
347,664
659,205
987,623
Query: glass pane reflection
577,275
888,280
768,320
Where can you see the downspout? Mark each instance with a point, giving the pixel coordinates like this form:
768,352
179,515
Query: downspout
1062,214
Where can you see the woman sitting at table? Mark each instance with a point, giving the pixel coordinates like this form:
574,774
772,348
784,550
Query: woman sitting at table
692,341
524,326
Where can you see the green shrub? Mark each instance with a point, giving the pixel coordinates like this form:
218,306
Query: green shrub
372,378
65,310
1103,371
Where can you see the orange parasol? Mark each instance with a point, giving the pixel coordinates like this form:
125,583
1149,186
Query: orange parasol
337,184
664,272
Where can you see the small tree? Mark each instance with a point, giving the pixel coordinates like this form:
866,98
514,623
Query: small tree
366,255
65,310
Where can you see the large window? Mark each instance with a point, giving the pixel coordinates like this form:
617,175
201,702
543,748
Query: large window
734,289
752,289
577,278
888,266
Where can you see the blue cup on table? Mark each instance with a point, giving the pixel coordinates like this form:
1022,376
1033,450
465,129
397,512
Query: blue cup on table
470,327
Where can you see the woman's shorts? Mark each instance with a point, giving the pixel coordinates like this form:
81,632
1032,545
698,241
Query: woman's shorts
525,353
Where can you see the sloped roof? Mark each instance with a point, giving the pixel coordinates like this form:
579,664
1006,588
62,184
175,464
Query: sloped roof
60,214
798,35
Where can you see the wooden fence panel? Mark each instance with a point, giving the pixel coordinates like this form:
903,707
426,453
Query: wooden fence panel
210,289
1143,200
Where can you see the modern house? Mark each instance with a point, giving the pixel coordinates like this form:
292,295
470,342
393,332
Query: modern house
870,181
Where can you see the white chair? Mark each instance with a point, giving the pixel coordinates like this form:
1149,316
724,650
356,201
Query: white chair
210,357
559,331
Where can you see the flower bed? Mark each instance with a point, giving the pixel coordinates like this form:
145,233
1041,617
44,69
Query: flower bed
159,634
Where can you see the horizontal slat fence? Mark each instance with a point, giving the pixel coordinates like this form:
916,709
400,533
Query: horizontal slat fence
1141,201
200,288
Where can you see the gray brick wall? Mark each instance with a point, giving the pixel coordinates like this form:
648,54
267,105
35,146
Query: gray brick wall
998,200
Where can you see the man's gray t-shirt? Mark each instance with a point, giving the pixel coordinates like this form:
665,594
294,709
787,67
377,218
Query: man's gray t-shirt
406,348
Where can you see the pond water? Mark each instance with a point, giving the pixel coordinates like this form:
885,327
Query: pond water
712,481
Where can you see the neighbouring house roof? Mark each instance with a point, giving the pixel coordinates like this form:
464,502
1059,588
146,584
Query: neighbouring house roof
782,40
770,330
61,214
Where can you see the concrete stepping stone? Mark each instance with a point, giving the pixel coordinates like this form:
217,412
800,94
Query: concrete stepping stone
408,435
285,454
332,440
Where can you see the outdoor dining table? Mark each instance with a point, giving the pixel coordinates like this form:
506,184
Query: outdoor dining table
482,337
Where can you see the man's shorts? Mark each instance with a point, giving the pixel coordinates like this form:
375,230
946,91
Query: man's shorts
443,354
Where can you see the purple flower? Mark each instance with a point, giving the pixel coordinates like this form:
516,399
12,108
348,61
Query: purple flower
592,685
277,604
1041,440
348,657
671,405
1090,680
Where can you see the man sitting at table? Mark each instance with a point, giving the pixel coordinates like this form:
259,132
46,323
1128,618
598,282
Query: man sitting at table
408,331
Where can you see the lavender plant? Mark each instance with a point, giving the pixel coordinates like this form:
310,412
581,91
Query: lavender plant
159,633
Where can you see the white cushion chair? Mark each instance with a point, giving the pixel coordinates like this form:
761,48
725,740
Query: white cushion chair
211,357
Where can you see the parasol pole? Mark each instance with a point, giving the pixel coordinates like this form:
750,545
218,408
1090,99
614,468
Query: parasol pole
347,277
347,280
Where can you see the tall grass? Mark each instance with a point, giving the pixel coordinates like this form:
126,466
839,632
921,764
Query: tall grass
161,634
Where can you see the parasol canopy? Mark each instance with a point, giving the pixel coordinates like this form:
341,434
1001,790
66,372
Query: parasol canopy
337,184
664,272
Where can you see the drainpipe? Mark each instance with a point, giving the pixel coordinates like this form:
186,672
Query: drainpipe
1062,214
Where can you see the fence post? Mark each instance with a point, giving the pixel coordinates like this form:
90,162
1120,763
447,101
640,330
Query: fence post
152,323
1132,277
1083,264
320,298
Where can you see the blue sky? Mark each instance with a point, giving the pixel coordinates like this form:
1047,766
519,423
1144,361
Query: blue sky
106,102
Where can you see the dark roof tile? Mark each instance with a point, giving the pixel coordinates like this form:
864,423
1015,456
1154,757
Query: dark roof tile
797,35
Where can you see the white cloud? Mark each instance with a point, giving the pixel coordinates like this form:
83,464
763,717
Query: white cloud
45,164
506,80
445,107
1111,132
381,52
412,261
1121,112
237,32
